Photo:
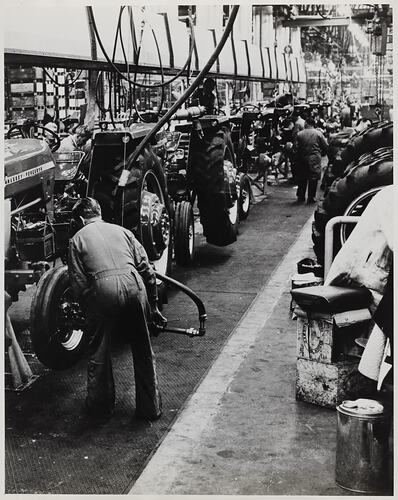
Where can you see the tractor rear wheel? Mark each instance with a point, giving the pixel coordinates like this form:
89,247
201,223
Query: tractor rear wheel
57,321
146,209
213,174
184,234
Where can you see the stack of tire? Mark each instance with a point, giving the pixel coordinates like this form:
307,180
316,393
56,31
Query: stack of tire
337,144
364,164
215,185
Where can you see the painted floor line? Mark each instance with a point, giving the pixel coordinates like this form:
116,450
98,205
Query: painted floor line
163,468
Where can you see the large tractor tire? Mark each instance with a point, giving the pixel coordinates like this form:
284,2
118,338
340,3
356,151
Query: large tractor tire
145,205
57,321
367,141
338,143
245,196
347,194
184,234
212,174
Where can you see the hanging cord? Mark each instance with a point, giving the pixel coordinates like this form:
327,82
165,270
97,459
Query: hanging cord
133,157
57,84
137,53
136,63
115,68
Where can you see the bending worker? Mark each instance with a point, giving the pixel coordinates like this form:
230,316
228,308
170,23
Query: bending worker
111,275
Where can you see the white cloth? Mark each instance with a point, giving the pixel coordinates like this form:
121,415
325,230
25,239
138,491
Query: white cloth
68,145
373,355
366,257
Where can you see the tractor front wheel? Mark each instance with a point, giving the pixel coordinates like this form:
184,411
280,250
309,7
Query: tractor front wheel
57,321
184,234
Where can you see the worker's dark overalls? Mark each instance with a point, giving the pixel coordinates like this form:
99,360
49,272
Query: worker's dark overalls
117,304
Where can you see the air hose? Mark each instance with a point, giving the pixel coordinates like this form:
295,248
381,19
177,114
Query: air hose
190,90
116,69
199,304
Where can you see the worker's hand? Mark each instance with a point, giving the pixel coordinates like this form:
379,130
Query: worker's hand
157,317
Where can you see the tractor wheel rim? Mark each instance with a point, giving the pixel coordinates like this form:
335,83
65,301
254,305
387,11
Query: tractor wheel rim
73,340
356,208
229,169
69,311
233,213
151,186
191,237
245,199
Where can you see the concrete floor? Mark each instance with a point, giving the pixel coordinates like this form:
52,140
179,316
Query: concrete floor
231,424
251,437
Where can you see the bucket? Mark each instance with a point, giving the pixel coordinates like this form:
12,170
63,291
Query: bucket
362,452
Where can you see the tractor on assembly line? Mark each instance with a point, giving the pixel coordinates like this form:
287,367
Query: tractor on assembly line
38,227
203,168
135,174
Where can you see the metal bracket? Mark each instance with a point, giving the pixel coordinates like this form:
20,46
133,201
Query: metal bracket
329,233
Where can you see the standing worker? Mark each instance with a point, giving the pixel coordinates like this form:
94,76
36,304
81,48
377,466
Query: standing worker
77,141
206,96
311,145
111,275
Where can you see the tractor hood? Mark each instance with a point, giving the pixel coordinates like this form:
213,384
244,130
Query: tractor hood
27,162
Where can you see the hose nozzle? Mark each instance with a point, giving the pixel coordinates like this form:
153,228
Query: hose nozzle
189,113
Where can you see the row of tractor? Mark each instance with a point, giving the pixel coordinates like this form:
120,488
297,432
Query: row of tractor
197,164
189,164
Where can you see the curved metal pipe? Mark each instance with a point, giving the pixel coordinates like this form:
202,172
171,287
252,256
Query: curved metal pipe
340,219
192,295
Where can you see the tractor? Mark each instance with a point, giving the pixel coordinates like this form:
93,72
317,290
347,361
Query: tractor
203,169
38,227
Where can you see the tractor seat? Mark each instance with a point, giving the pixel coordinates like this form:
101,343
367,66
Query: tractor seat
331,299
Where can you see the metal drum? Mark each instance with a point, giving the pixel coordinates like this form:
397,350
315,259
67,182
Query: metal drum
362,452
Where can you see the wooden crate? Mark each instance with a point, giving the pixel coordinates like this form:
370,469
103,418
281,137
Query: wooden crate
23,114
22,88
21,74
326,337
329,384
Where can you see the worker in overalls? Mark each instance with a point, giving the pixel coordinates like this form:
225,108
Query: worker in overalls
206,97
111,276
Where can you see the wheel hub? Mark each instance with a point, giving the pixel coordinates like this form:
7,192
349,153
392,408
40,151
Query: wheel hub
155,225
230,179
71,317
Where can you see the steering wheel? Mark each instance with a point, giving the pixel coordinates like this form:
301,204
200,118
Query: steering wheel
249,106
30,131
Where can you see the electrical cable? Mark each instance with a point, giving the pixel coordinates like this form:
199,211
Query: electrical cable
119,192
190,90
57,84
115,68
136,63
161,72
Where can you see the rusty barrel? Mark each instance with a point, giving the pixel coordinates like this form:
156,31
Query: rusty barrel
362,451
